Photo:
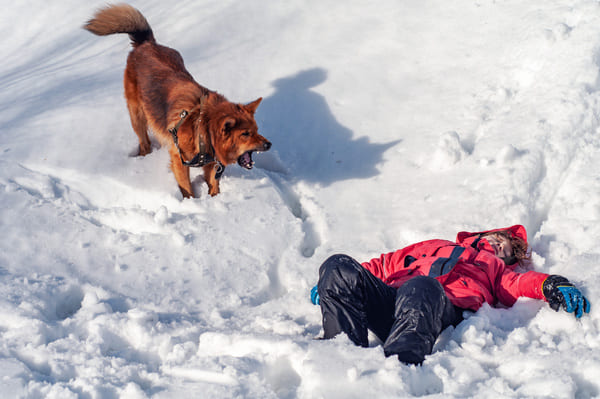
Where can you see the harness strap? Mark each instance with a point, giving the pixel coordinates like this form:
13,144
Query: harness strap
202,157
442,266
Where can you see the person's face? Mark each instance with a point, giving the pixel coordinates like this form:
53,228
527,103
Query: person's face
502,246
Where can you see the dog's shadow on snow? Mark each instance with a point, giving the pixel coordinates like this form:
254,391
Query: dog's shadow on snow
308,139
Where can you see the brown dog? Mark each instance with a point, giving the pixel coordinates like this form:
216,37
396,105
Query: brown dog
199,126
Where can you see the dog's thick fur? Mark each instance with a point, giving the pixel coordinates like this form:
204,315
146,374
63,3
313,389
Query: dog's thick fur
158,88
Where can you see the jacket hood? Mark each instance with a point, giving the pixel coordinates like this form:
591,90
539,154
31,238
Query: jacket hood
472,239
517,231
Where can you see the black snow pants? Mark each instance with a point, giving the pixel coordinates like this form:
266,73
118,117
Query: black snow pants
408,320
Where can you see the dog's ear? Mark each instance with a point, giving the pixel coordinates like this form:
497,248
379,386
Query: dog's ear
253,105
228,124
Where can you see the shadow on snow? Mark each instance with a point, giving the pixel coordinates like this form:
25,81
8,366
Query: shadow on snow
312,144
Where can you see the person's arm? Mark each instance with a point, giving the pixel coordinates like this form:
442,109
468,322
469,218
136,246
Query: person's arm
554,289
511,285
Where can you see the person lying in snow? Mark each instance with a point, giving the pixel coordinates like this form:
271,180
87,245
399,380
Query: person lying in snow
408,297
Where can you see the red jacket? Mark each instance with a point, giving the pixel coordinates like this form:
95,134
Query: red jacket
467,269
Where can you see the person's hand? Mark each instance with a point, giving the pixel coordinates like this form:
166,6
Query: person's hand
560,292
314,295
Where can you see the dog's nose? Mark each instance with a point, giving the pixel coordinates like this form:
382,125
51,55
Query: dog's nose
267,146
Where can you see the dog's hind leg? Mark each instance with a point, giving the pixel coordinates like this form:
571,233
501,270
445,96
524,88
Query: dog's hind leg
136,114
182,173
140,127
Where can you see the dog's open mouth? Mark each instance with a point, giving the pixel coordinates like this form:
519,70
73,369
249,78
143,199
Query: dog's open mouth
245,160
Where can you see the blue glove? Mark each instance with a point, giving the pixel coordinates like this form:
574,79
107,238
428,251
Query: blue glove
314,295
574,301
560,292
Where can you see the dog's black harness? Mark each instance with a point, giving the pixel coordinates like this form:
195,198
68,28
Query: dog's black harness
203,157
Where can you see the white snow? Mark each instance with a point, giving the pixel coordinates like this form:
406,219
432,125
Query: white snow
391,122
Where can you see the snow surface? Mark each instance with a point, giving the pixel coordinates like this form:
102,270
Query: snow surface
391,121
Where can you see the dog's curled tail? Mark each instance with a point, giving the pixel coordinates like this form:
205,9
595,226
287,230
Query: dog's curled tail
121,18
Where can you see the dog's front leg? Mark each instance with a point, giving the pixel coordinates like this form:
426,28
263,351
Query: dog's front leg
209,175
182,173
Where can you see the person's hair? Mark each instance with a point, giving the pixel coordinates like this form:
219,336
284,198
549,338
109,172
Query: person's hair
519,246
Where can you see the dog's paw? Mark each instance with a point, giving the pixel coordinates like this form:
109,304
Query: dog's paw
143,151
139,152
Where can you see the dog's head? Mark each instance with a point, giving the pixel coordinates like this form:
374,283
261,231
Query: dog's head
234,133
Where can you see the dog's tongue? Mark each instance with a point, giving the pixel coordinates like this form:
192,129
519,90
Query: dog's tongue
245,160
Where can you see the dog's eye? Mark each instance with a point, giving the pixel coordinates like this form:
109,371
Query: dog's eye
246,133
